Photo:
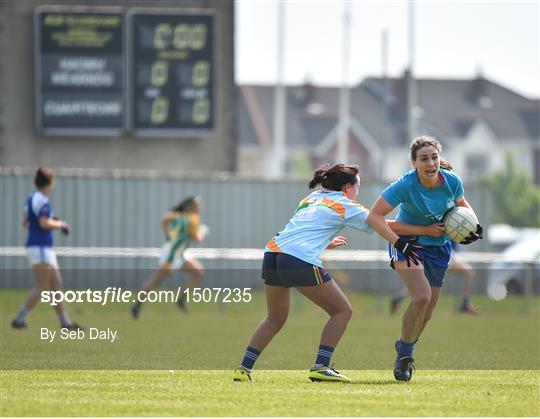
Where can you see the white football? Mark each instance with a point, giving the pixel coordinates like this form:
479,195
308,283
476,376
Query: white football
459,223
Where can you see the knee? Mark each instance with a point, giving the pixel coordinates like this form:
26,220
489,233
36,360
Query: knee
277,321
422,299
198,274
345,312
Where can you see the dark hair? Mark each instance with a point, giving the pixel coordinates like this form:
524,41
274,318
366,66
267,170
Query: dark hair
44,177
335,177
423,141
188,204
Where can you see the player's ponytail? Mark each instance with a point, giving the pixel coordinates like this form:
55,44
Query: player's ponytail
446,165
188,204
335,177
318,176
44,177
423,141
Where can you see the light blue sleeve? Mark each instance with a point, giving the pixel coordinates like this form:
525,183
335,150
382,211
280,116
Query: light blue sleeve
356,217
394,193
457,188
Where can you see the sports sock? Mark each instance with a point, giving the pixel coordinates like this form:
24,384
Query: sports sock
250,358
324,354
405,348
465,302
65,321
21,315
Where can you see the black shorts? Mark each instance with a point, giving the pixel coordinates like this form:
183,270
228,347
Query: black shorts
283,270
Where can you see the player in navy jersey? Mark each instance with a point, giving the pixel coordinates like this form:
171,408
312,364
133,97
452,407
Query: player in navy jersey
38,218
291,259
182,227
424,195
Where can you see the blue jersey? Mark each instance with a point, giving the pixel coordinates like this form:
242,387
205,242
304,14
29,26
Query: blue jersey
319,217
37,205
424,206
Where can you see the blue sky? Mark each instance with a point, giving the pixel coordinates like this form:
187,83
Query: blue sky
453,39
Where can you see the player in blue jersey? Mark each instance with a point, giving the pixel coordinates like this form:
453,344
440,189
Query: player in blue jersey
424,195
38,218
181,226
292,259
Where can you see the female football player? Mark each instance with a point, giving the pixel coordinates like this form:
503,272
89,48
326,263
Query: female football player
424,194
38,219
181,226
291,259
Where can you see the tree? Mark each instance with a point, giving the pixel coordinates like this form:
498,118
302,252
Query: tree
516,197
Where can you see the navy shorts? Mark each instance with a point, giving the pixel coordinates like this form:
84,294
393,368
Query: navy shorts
436,261
283,270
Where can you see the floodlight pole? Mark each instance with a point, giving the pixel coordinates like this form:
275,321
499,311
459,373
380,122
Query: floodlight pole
344,93
277,164
412,95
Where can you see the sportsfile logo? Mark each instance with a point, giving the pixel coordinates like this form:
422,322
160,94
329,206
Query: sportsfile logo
119,295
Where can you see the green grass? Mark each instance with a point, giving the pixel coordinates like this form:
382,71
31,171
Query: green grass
487,365
276,393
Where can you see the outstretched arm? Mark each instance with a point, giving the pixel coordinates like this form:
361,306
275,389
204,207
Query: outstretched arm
376,219
404,229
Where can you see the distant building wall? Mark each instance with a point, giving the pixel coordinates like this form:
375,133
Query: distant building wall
21,146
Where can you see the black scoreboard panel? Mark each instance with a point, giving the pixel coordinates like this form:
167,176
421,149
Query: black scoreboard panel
80,71
171,64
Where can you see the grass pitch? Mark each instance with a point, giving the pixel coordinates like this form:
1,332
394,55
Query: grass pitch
487,365
276,393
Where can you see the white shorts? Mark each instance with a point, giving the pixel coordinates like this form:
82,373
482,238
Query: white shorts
178,259
41,254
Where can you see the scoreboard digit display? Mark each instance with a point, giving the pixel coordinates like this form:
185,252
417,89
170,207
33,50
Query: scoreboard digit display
80,71
171,64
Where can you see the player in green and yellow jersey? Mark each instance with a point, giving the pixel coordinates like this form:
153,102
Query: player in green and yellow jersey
182,227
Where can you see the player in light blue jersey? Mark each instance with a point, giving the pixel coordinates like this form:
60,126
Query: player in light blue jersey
424,195
291,259
39,220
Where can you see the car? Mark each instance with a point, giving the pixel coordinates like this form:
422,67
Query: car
508,274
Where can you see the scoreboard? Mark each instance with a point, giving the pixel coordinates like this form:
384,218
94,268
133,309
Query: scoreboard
79,71
171,73
108,71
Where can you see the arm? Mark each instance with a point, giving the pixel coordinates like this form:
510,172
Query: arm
376,220
47,223
404,229
479,233
337,241
462,202
24,222
165,221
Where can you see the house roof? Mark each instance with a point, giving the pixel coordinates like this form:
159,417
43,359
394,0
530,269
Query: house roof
449,107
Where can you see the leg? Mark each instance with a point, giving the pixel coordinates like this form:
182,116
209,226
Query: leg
414,279
331,299
159,275
278,303
60,308
435,293
42,274
195,271
466,272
